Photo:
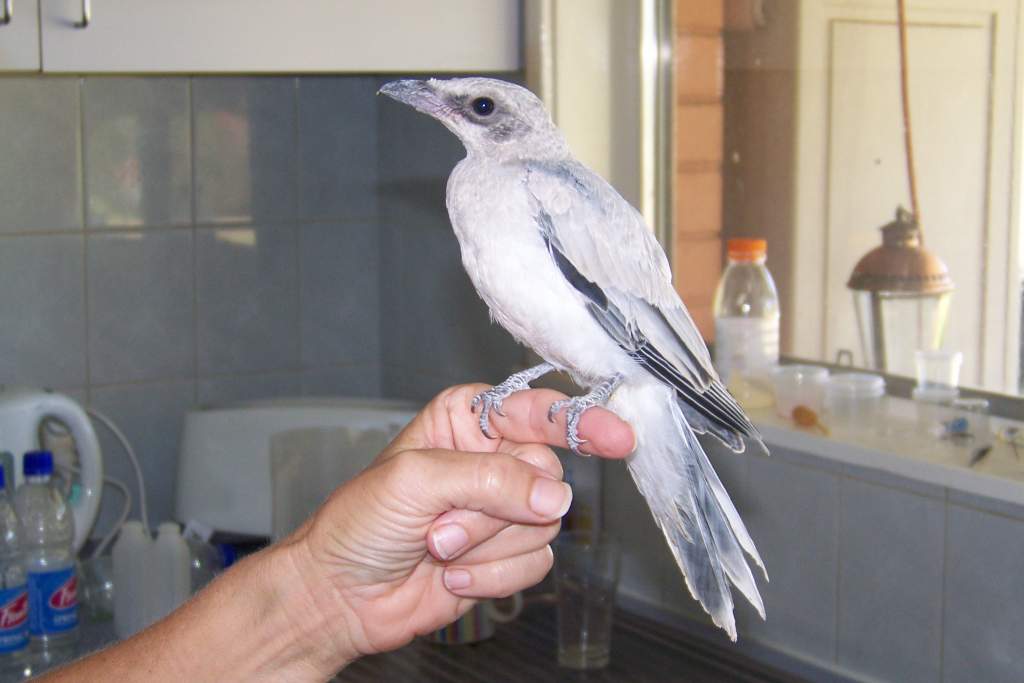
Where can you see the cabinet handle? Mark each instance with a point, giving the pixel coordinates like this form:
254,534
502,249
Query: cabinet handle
86,14
8,13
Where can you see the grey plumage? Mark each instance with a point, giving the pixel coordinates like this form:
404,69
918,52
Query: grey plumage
570,269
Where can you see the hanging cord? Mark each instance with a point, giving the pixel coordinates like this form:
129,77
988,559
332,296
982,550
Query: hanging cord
130,452
907,140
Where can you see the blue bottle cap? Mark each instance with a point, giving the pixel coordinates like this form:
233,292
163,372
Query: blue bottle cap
38,462
3,482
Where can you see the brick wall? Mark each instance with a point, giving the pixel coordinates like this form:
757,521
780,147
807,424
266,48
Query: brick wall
697,191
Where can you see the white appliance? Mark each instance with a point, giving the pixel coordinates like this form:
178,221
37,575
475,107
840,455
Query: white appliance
224,471
22,410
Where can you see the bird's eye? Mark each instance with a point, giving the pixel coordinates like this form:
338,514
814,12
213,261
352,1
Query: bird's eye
483,106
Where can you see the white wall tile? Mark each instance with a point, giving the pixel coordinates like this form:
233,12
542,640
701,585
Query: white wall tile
984,598
245,151
890,585
42,310
41,166
137,155
141,304
247,299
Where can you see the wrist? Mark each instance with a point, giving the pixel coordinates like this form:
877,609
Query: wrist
320,628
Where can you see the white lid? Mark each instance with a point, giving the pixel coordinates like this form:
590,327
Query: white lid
855,385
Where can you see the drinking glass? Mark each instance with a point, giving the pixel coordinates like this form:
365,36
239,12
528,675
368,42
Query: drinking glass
586,576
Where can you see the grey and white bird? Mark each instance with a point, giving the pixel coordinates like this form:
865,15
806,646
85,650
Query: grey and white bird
570,269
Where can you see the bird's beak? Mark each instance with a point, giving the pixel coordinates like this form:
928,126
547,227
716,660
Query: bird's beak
419,95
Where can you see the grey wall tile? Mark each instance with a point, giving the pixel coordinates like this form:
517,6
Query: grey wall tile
337,147
245,135
984,598
151,416
137,156
229,389
890,586
340,297
352,380
441,325
893,481
792,515
40,177
247,297
986,504
42,310
141,323
410,383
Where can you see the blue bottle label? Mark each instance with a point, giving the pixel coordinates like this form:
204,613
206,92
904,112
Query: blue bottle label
53,601
13,619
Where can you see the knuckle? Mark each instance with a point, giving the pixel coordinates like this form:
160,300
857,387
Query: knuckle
406,466
493,474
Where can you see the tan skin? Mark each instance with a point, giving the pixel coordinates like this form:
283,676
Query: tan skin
444,517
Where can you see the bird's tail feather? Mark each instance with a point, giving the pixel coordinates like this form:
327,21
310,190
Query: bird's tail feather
693,511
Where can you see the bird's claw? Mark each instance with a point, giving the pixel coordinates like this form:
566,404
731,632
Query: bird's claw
492,399
574,408
577,405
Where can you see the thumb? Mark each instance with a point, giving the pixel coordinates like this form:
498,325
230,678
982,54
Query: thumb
497,484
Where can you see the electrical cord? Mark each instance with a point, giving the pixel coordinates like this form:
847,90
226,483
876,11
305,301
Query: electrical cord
130,452
125,510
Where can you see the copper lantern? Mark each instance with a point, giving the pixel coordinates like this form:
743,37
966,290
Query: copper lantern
901,294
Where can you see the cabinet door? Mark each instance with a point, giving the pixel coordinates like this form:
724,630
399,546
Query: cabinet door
196,36
19,37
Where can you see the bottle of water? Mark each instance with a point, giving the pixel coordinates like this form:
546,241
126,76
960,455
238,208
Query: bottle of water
47,531
13,592
747,323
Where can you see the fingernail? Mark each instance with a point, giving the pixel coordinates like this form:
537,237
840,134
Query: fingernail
550,498
456,579
636,442
450,539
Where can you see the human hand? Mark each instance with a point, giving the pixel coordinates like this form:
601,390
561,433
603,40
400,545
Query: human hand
445,516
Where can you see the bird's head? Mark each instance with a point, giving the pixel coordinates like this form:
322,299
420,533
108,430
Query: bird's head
493,118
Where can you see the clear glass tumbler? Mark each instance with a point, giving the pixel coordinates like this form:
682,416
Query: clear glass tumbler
586,576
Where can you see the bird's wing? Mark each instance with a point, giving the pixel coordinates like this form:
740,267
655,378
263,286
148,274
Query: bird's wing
603,247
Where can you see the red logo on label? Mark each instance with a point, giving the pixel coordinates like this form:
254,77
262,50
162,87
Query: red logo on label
14,613
67,595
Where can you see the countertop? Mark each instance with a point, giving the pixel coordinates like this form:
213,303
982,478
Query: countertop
525,650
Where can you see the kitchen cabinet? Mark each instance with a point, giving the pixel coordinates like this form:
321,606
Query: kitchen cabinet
264,36
19,35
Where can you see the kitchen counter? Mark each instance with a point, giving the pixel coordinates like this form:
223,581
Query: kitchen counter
525,650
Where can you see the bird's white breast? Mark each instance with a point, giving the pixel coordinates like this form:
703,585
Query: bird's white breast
506,257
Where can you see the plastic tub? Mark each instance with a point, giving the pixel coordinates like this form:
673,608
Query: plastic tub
854,400
799,385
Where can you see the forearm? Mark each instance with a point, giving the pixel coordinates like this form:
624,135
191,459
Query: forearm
258,621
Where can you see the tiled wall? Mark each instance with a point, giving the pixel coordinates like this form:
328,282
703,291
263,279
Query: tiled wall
168,242
873,577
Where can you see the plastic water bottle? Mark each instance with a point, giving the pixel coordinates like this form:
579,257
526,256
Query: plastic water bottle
47,530
747,323
13,592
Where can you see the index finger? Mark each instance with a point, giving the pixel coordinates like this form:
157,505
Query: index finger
526,421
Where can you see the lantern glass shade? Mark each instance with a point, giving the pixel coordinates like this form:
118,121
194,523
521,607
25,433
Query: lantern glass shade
893,325
901,293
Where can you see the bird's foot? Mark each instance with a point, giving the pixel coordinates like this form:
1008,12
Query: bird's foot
493,398
577,405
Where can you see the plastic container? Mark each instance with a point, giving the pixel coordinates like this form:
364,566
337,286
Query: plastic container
131,568
13,592
171,583
746,311
854,401
938,368
799,385
47,531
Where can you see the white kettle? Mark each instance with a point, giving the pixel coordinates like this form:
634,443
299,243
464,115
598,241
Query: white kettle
21,412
